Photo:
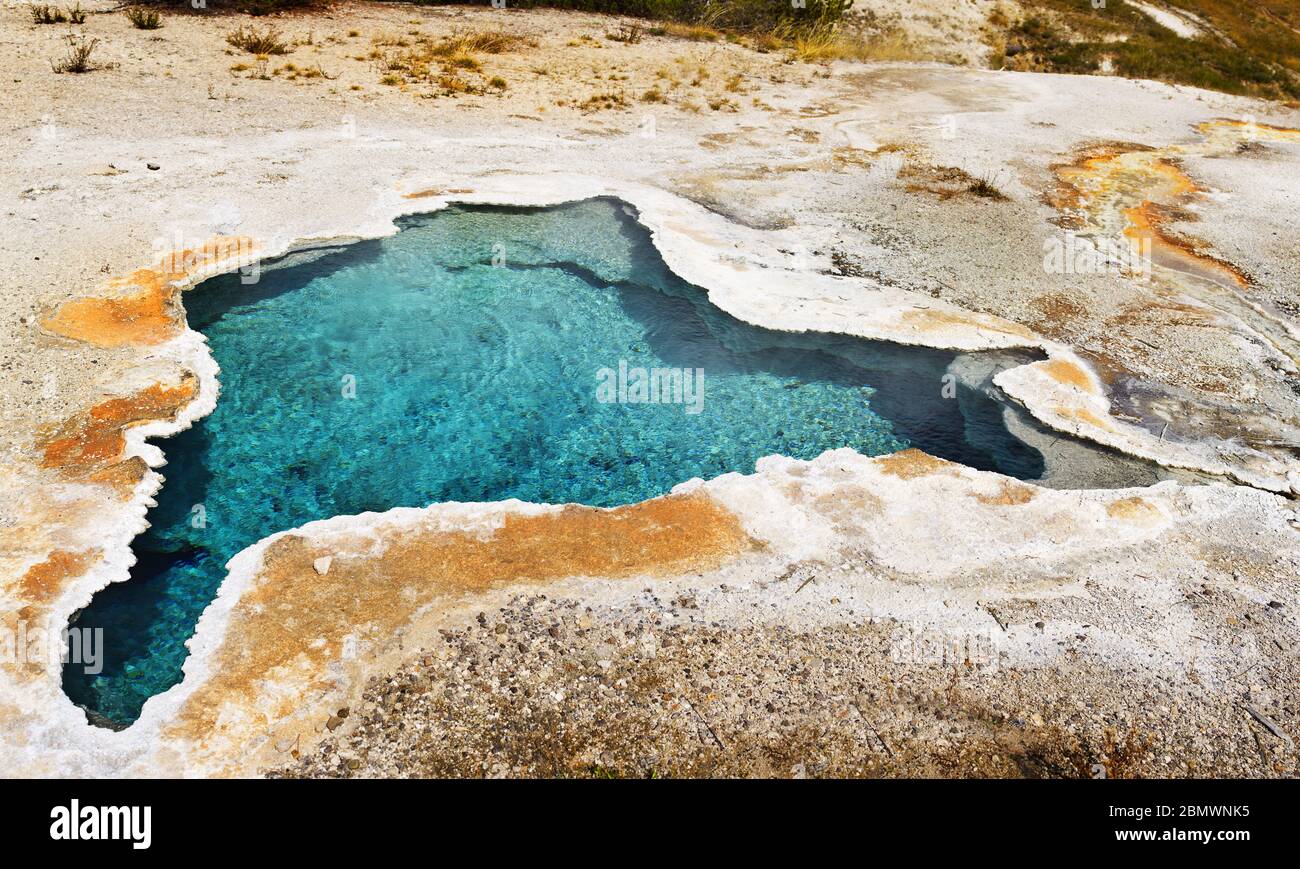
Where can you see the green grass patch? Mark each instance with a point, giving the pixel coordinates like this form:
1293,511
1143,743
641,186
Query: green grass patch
1248,48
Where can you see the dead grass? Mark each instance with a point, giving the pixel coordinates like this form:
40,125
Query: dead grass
691,32
606,100
255,41
629,34
450,64
949,182
45,14
825,45
142,18
80,49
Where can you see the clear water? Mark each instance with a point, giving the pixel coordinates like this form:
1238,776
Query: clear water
476,380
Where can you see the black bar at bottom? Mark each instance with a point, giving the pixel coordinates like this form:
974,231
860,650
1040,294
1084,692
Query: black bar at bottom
300,818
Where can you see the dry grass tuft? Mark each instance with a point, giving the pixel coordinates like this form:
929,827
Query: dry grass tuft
79,51
445,63
607,100
254,41
692,32
629,34
45,14
828,44
143,19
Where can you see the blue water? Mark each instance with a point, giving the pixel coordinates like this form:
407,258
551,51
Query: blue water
457,361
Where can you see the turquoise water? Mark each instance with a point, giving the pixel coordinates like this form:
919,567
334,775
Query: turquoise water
457,361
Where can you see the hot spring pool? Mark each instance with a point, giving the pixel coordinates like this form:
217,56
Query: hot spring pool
463,359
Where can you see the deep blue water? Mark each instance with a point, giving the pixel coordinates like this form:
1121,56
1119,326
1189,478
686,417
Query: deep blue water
473,339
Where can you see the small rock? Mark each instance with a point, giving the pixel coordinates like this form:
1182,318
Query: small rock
322,564
153,166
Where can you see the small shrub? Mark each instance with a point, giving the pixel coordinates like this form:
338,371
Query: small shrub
487,41
45,14
692,32
77,15
609,100
143,19
497,82
256,41
986,189
626,33
453,84
79,51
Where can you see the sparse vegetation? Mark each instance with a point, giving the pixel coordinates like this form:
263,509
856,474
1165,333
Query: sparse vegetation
255,41
78,59
704,20
143,18
629,34
949,182
607,100
692,32
984,187
77,15
446,61
46,14
1248,48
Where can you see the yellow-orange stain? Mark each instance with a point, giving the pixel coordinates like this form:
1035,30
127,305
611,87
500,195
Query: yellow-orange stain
123,476
928,320
437,191
1082,414
1069,373
143,308
1247,130
292,622
1134,191
1133,510
912,463
87,443
44,582
1145,229
1009,494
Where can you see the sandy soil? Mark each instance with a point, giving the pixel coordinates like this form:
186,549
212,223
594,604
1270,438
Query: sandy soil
801,196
